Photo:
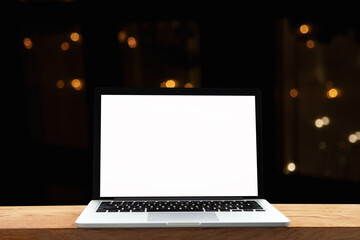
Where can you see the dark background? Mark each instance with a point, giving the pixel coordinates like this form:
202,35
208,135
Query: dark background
239,47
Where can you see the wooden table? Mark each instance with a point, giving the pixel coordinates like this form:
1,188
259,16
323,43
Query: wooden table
308,221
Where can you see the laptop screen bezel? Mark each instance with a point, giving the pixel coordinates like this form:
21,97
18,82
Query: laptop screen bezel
174,91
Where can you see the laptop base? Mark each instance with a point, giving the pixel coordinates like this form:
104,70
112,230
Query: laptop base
271,217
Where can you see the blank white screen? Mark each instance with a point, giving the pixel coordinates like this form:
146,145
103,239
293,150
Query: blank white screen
178,145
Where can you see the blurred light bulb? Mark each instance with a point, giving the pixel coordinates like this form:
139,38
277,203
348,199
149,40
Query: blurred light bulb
77,84
310,43
358,135
131,42
293,93
170,83
332,93
27,43
291,167
65,46
75,36
60,84
326,120
352,138
319,123
122,36
189,85
304,29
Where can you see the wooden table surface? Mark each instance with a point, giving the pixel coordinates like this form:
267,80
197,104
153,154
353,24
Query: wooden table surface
308,221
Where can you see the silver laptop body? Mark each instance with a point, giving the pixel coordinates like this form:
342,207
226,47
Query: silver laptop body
178,158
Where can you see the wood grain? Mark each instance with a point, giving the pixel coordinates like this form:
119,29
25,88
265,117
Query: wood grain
30,217
321,215
308,221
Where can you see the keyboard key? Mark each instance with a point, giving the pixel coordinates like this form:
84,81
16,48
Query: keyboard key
124,210
179,206
114,210
138,210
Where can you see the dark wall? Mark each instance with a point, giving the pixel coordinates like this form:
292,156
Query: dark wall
238,48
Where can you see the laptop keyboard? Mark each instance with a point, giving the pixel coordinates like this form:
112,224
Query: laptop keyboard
180,206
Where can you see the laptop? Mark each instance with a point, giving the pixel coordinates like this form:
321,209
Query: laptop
178,158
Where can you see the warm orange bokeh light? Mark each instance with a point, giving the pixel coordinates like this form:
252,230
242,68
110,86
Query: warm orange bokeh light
65,46
293,93
75,36
132,42
310,43
332,93
170,83
28,43
60,84
304,29
77,84
189,85
122,36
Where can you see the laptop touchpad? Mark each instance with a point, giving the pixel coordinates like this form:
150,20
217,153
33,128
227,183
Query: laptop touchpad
182,217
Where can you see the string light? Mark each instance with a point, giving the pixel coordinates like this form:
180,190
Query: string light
294,93
170,83
319,123
326,120
291,167
60,84
189,85
131,42
304,29
75,36
65,46
77,84
332,93
27,43
354,137
122,36
310,44
358,135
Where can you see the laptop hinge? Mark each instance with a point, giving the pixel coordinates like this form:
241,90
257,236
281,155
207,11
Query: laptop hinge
197,198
